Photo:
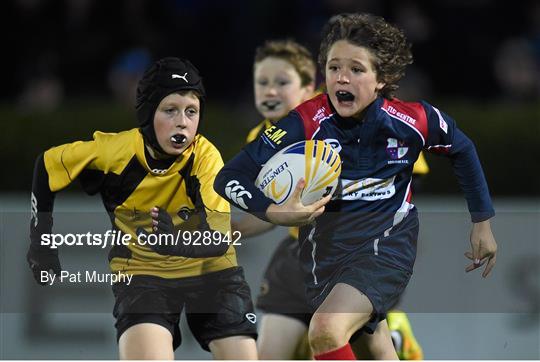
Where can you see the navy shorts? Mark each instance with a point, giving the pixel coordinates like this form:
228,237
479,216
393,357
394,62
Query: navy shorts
282,289
381,276
218,305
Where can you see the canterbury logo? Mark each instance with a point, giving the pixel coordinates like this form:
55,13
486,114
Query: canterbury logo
236,192
251,317
184,77
34,210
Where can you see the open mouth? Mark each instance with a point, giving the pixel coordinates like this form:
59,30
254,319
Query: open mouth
344,96
178,140
271,105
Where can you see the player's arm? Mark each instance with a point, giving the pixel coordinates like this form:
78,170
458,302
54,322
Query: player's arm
250,225
40,257
446,139
53,170
235,182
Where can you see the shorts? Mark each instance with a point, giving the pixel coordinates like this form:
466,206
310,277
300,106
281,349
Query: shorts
217,305
282,289
379,276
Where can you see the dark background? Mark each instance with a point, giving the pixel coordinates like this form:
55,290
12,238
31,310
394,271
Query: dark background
71,68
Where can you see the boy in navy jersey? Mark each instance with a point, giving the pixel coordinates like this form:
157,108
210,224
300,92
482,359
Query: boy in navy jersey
358,249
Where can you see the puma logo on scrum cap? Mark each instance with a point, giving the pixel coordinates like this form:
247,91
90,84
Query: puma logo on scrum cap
184,77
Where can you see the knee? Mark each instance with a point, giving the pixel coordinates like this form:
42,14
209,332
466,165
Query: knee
325,333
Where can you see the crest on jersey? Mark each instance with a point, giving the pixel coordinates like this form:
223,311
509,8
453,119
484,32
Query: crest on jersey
396,149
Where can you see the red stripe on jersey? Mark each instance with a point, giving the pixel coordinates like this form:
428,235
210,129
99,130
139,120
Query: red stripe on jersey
412,113
313,112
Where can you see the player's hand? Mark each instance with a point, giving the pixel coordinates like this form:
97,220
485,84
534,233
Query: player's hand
41,258
162,224
484,248
293,212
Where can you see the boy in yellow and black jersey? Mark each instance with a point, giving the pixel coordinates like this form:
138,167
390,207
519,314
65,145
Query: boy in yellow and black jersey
157,179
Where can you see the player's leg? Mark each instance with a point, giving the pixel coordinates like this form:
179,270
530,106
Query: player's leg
147,318
279,336
234,348
221,315
343,312
146,341
379,344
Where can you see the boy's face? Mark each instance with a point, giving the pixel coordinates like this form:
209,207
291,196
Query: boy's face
350,78
177,115
278,88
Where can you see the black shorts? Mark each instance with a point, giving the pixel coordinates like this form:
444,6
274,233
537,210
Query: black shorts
379,277
282,289
217,305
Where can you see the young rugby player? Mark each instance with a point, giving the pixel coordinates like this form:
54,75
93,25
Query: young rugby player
157,178
284,76
357,251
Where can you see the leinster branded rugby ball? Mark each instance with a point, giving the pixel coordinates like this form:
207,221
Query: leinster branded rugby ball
316,161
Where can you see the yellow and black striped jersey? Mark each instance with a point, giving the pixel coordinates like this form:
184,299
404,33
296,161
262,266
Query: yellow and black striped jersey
115,165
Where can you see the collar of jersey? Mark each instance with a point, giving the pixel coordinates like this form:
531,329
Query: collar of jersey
177,165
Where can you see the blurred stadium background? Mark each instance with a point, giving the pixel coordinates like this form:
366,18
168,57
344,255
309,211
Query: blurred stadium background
72,67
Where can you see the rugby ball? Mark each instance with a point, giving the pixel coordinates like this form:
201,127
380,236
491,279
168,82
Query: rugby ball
314,160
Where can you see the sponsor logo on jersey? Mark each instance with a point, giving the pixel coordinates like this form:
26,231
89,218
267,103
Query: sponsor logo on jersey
367,189
274,134
236,193
442,123
158,171
320,115
396,150
404,117
34,209
185,212
334,143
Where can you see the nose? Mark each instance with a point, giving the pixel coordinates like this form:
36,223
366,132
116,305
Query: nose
271,90
342,79
181,121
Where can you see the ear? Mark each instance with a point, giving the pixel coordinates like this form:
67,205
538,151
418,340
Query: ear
379,86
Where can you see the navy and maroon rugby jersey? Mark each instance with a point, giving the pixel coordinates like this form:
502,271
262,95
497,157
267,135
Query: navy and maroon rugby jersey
378,155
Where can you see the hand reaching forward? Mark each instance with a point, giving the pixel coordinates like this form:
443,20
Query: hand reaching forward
293,212
484,248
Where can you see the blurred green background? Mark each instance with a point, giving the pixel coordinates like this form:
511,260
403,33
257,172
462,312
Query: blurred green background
507,137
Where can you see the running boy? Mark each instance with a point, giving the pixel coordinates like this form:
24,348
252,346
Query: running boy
157,178
358,250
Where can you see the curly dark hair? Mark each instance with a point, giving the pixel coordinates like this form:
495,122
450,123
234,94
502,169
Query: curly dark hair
387,44
292,52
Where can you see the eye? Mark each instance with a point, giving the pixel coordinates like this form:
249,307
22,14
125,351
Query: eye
191,111
357,70
170,110
262,82
282,83
332,68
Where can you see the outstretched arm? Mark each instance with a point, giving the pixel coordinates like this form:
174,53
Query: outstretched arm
41,258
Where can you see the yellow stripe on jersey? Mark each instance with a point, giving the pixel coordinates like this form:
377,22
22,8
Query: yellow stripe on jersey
257,130
131,189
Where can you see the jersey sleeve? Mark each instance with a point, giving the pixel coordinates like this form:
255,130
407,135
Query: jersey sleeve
236,181
445,138
66,162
